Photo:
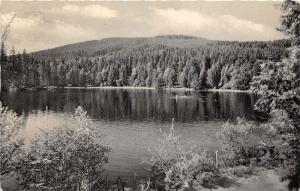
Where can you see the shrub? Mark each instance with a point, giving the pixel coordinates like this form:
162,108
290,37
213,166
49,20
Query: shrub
66,158
268,144
163,156
172,168
192,169
10,141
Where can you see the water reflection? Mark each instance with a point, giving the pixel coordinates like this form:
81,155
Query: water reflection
133,120
138,105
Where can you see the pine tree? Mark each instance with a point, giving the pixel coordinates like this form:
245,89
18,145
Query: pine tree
159,81
141,75
53,74
122,81
89,78
61,75
195,84
73,76
104,75
111,79
24,61
183,78
203,73
98,79
171,78
133,76
214,75
82,77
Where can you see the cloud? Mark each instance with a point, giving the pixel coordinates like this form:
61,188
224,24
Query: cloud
35,32
183,18
241,25
18,23
186,21
65,23
93,11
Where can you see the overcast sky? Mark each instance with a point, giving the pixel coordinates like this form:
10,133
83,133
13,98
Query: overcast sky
42,25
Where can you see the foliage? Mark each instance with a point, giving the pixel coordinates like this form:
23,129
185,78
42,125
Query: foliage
276,142
269,144
278,83
203,74
65,158
193,169
10,141
133,62
243,76
214,75
82,77
172,168
290,20
163,156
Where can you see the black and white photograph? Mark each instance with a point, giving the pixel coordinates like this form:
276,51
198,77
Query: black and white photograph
149,95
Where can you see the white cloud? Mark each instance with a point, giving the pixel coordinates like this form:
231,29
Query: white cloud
18,23
35,33
69,23
186,21
94,11
240,24
183,18
70,8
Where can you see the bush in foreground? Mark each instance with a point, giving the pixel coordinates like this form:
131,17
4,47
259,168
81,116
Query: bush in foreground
267,145
11,142
65,158
173,168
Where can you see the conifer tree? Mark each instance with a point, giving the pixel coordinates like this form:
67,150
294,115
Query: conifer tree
214,75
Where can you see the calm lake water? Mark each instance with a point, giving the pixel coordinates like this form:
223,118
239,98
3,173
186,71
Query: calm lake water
132,120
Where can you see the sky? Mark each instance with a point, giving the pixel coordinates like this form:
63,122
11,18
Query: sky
42,25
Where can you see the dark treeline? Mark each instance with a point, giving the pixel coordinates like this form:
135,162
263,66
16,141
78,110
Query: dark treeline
164,61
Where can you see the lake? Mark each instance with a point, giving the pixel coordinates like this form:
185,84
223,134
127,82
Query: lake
132,120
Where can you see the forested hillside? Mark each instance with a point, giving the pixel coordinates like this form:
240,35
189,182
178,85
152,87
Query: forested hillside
162,61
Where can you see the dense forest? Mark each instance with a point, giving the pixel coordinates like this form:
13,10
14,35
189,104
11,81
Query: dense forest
161,61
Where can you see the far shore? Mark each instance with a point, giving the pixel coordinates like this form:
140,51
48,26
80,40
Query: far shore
110,87
136,88
166,88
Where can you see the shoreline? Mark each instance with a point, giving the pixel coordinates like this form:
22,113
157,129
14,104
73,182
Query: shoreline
152,88
110,87
227,90
133,88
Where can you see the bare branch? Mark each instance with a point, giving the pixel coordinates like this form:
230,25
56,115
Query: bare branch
6,29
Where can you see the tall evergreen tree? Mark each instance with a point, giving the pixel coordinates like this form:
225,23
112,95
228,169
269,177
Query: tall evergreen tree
82,77
183,78
203,73
214,75
61,75
98,79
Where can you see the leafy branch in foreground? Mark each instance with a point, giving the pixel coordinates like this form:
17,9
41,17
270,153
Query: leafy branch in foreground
65,158
10,141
